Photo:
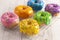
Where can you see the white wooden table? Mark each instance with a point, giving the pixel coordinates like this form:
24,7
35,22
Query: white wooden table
49,34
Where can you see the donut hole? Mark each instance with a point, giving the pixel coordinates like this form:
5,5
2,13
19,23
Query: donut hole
36,1
10,16
24,8
29,22
42,15
55,6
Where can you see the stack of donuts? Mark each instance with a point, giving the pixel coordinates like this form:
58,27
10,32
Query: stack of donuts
30,18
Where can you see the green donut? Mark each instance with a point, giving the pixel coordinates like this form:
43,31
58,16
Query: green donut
43,17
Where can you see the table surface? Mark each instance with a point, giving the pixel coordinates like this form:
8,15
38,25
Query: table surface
52,33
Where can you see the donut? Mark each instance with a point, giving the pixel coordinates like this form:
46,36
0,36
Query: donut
29,26
23,11
43,17
36,4
9,19
54,9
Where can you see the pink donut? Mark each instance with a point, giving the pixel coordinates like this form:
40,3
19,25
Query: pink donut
9,19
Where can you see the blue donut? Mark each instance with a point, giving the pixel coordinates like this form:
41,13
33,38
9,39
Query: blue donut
36,4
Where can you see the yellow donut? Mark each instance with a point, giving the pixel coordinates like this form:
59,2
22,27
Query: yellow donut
29,26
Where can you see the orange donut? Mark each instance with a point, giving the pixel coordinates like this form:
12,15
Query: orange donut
23,11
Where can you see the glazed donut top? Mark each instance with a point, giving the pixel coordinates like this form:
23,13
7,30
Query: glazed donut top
53,8
22,7
42,17
9,17
29,26
29,22
23,11
36,2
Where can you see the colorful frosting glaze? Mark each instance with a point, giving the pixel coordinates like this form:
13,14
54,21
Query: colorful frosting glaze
29,26
36,4
54,9
24,11
9,19
43,17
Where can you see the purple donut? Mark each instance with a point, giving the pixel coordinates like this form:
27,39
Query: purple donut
54,9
